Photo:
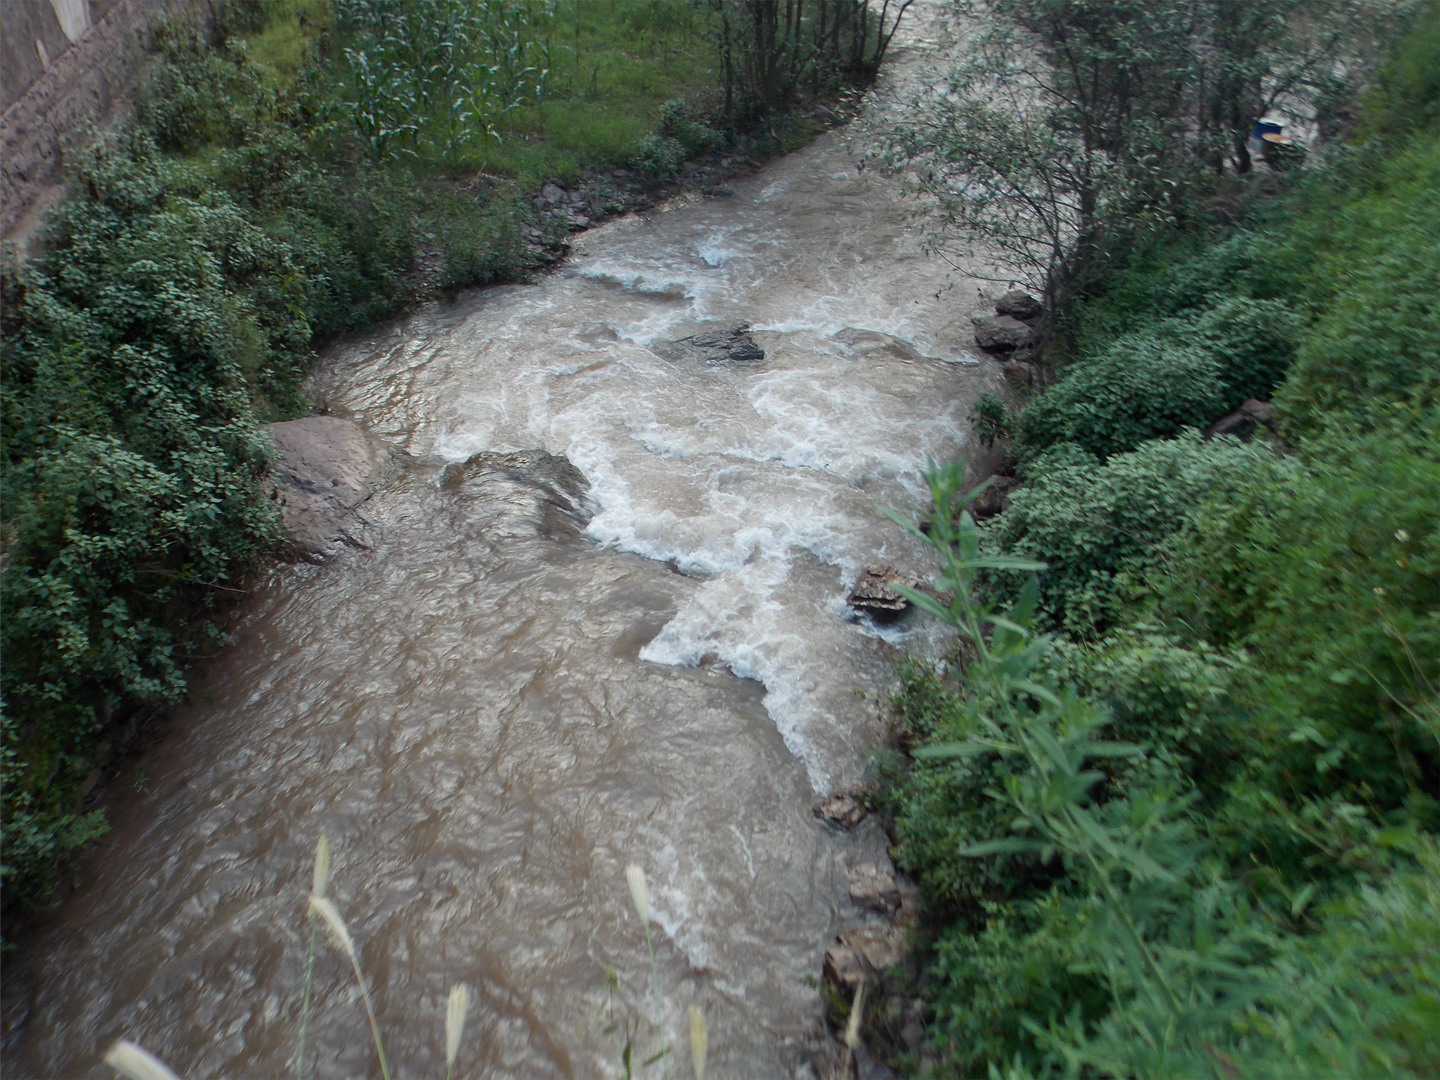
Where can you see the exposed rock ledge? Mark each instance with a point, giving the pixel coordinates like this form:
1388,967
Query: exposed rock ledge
323,469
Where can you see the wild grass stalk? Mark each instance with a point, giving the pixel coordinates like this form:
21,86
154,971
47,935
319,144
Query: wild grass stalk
699,1041
135,1063
852,1030
455,1011
330,915
640,897
319,883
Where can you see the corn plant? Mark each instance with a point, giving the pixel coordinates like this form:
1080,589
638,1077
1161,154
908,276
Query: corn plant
440,73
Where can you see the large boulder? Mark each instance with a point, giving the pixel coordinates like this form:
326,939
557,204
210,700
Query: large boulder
322,470
1003,334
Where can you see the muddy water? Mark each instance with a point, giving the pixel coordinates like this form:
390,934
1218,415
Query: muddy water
601,621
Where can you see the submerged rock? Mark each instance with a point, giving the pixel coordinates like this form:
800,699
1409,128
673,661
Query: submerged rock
323,469
730,346
542,489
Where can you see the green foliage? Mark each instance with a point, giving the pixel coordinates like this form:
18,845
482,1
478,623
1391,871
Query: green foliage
690,128
1365,250
1245,886
1098,527
1407,97
480,240
1137,952
1345,538
1161,692
442,71
1252,340
1183,274
131,456
201,96
990,419
660,157
1142,386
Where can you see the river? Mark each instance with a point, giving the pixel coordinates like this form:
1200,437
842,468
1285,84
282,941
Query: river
538,674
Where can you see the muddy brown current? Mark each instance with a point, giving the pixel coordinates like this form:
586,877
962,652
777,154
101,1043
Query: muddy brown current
628,646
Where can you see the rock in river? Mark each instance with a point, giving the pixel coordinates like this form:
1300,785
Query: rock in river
712,346
1003,333
323,469
875,590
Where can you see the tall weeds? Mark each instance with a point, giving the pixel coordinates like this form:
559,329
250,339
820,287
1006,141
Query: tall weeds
1112,937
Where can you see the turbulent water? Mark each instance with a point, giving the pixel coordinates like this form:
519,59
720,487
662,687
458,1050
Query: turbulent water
601,622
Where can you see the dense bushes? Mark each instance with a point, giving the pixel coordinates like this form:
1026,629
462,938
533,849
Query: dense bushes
1182,370
1143,386
1192,831
1098,526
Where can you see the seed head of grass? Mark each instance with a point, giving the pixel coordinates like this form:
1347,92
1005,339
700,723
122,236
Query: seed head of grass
699,1041
639,895
135,1063
455,1022
330,916
852,1027
322,866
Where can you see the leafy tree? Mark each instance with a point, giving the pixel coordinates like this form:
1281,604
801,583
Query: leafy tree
1076,130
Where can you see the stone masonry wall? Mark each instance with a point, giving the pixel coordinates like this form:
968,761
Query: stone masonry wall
64,65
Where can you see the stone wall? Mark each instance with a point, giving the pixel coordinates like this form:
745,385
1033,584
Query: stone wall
64,65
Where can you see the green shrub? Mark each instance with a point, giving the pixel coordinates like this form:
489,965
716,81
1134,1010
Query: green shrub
1253,341
1143,953
1098,526
203,96
681,122
1024,967
1345,539
1167,695
989,419
1143,386
481,240
132,360
1366,254
660,157
940,808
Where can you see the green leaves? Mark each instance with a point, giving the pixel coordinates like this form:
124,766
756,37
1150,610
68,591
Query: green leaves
440,75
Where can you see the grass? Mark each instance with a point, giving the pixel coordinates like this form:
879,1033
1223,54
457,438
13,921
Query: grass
612,65
282,45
